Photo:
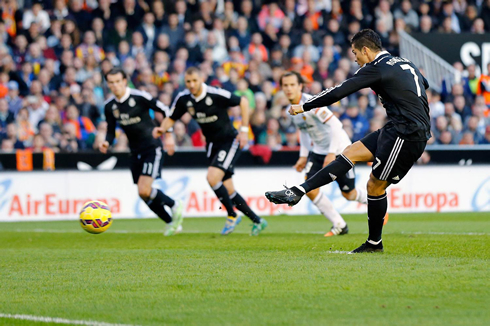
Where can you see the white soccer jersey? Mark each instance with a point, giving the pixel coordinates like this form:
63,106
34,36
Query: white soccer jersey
321,131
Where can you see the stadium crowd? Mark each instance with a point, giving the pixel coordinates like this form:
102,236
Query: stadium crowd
54,53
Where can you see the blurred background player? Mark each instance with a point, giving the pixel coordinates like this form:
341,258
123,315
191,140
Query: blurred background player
131,109
209,107
324,131
393,149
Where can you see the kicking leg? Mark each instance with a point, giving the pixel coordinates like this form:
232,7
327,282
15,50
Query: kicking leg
356,152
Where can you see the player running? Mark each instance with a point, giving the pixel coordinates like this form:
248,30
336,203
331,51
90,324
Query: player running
393,149
208,106
325,131
130,108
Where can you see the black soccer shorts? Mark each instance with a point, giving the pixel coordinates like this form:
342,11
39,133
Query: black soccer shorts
346,182
147,163
394,156
224,155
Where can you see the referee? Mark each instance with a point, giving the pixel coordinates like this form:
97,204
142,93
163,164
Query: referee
209,107
130,108
393,149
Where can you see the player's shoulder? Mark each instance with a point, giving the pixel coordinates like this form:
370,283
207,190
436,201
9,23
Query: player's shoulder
305,97
181,97
111,100
138,93
216,91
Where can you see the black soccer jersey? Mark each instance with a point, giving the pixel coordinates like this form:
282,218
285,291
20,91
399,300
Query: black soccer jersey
132,113
209,110
400,87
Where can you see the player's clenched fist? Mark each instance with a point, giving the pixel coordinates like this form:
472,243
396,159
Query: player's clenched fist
296,109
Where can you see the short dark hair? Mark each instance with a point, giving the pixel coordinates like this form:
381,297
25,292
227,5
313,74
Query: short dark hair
115,71
367,38
292,73
193,70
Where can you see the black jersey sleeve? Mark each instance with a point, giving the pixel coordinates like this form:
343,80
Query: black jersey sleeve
233,100
365,77
426,83
154,104
111,124
178,108
225,98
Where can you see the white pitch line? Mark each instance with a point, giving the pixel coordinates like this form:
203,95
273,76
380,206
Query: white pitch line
58,320
337,252
238,231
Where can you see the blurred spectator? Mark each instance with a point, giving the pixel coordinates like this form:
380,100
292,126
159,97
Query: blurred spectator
46,131
360,124
36,15
180,135
406,13
69,142
6,116
84,128
13,135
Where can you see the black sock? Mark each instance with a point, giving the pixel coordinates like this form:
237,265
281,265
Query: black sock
377,207
243,207
336,168
156,202
168,201
222,194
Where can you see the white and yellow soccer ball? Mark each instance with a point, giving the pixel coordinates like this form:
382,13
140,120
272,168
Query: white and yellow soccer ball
95,217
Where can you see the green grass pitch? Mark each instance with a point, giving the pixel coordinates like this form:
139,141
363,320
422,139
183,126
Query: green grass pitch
435,271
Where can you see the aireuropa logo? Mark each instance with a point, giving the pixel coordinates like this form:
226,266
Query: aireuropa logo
481,198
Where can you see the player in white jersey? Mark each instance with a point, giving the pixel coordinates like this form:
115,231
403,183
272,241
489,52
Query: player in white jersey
322,138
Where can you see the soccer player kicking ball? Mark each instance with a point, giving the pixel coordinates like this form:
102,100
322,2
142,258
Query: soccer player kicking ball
130,108
393,149
325,131
208,106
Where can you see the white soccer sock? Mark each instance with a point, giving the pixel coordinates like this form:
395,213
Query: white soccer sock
361,196
326,208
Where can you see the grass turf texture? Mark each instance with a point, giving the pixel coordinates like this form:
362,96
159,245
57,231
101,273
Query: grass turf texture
280,277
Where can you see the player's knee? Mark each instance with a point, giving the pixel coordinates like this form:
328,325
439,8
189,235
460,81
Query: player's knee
375,187
144,193
349,195
212,179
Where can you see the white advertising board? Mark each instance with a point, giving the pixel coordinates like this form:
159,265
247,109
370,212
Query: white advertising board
59,195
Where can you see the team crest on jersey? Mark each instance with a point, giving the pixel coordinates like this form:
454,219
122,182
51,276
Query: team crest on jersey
132,102
189,104
323,114
209,101
304,117
115,111
191,110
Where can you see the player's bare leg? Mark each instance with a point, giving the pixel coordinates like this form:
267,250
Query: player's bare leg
215,177
258,223
339,226
356,152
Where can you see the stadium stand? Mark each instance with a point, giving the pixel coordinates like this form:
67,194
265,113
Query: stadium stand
54,53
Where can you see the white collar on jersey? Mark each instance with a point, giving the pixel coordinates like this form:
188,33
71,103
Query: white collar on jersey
203,93
380,54
125,96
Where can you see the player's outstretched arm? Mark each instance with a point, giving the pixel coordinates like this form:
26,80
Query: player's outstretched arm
364,77
245,110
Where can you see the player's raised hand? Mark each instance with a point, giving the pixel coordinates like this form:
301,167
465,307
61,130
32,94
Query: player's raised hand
296,109
104,146
157,132
300,164
169,143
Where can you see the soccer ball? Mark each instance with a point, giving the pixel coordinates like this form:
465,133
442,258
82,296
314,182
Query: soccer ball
95,217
